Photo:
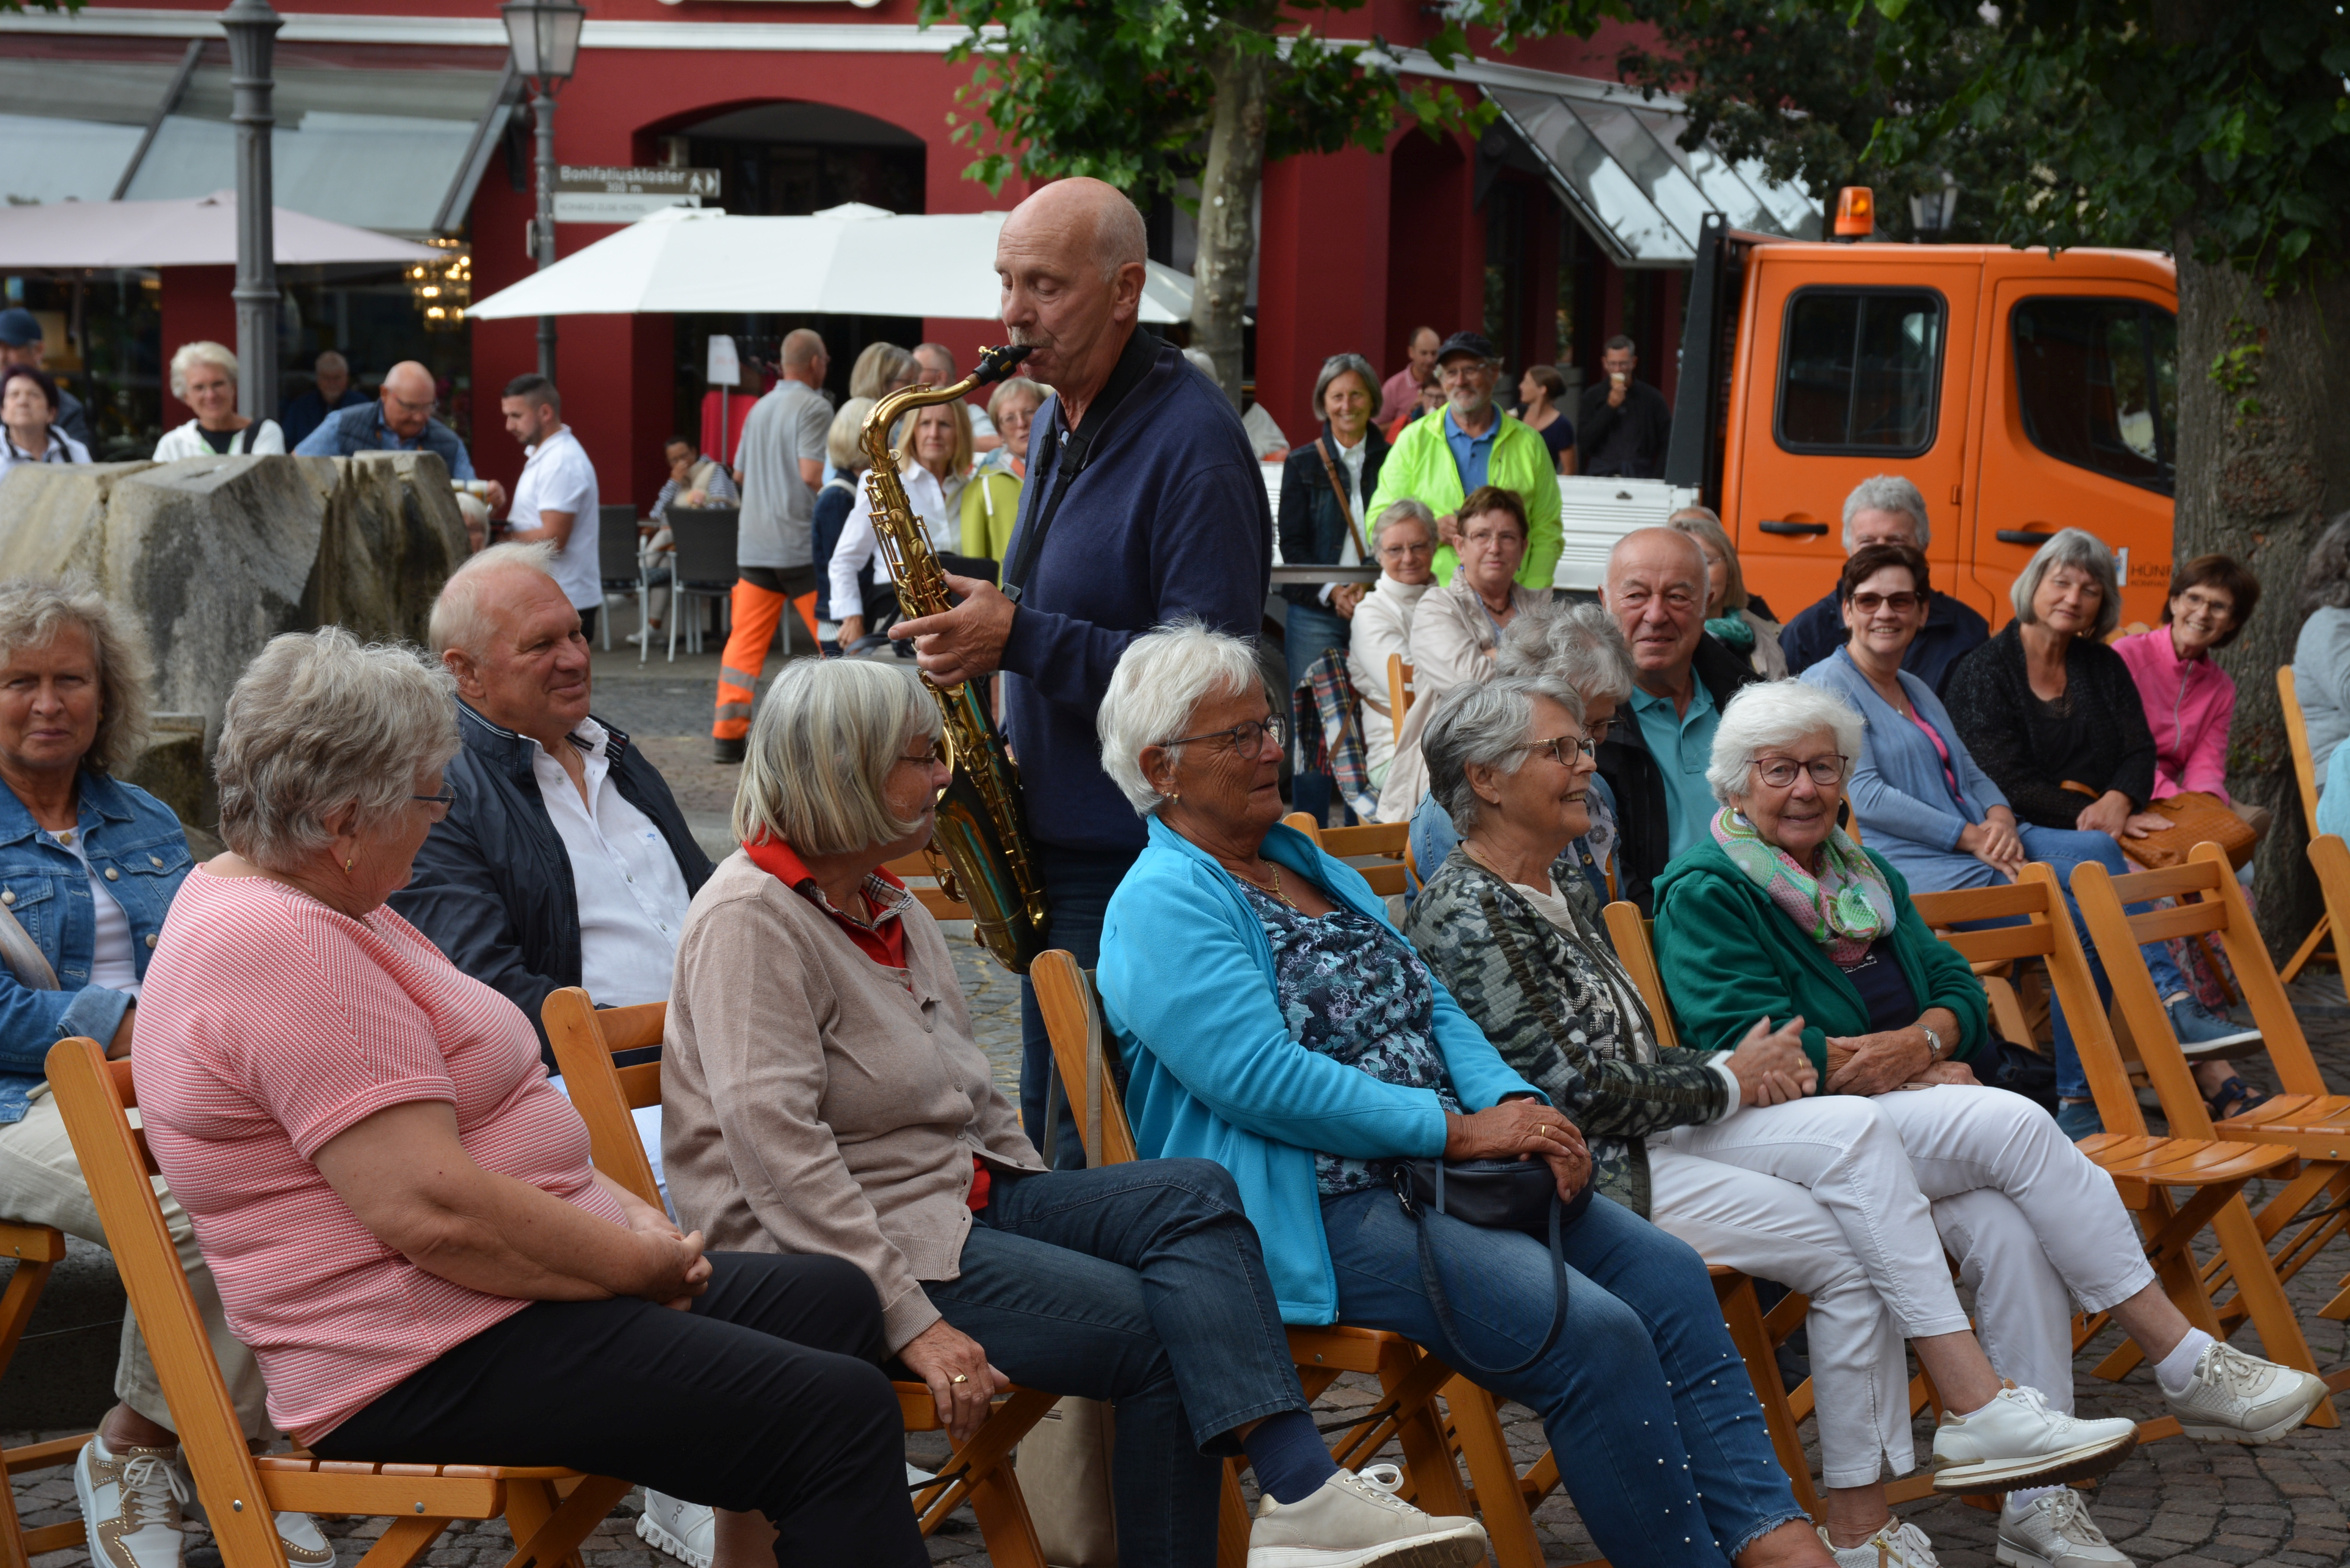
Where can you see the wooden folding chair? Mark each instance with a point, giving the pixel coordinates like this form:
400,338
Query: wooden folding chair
2304,776
37,1250
549,1510
586,1043
1410,1379
1381,851
2305,1117
1400,691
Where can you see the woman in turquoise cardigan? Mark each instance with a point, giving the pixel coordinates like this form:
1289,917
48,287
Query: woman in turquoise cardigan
1273,1021
1778,914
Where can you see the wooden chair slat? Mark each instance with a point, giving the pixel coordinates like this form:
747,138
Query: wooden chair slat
2005,944
1400,691
2191,920
1957,906
2318,946
1629,931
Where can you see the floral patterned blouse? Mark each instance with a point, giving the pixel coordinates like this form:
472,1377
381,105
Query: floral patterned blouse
1353,991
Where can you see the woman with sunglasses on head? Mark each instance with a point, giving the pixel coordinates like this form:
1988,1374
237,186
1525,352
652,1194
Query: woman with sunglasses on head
1924,804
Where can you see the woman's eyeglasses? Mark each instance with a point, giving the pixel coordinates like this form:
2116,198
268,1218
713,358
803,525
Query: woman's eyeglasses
1247,739
1779,771
1899,604
439,803
1564,749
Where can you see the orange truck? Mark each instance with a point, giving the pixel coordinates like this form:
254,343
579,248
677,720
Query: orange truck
2020,391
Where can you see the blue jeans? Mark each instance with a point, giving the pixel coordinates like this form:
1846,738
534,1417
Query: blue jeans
1660,1438
1141,1285
1078,886
2062,849
1309,632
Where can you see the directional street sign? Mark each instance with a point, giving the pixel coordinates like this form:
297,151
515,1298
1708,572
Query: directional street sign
597,193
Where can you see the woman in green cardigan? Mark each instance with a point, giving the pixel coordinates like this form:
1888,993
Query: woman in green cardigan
1778,915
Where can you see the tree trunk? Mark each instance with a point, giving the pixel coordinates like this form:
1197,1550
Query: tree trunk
1242,71
2263,458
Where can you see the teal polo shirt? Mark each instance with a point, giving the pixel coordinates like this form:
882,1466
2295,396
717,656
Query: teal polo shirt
1682,744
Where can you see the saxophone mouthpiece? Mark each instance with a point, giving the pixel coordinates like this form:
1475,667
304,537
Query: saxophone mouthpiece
996,363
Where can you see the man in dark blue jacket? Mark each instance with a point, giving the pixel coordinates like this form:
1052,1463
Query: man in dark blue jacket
1144,504
1886,509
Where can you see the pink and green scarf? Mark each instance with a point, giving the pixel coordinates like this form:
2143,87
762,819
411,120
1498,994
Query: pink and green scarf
1844,907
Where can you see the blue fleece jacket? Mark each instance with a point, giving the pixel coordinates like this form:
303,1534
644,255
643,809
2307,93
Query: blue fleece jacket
1187,982
1169,518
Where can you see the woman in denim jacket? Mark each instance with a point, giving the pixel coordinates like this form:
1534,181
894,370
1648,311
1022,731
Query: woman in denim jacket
88,869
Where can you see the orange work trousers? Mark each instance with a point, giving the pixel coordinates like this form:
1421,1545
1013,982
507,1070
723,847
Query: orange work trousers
757,611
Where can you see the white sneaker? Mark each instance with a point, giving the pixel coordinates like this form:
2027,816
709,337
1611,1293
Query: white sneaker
1898,1545
1356,1519
637,638
130,1504
2017,1441
2239,1398
298,1535
2054,1532
685,1530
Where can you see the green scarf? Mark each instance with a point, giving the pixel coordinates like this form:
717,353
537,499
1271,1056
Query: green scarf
1845,909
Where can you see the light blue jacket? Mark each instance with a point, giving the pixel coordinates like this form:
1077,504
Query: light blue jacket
1187,984
1897,790
126,832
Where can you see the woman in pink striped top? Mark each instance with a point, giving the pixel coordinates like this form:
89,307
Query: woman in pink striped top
399,1208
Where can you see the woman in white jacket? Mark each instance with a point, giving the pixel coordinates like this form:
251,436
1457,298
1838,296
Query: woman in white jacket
1404,540
934,465
203,377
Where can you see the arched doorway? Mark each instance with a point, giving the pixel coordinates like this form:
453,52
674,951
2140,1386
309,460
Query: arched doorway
789,159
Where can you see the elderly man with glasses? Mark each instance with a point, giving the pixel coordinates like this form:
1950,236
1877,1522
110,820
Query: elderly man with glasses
1469,443
401,421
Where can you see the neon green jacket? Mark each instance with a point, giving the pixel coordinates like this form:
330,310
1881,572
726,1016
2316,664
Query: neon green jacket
1421,465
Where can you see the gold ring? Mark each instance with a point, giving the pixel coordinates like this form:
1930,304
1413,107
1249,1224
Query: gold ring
959,1378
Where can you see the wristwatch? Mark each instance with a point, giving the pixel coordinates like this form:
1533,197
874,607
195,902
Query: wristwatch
1933,1043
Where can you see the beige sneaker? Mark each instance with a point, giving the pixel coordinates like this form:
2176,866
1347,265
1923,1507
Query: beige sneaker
676,1528
130,1504
2016,1441
1356,1520
1898,1545
2238,1398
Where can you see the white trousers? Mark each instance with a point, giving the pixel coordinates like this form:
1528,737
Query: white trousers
2037,1228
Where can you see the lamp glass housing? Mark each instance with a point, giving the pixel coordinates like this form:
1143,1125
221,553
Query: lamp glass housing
544,37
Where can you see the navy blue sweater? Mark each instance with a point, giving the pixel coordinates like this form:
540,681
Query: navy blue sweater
1169,518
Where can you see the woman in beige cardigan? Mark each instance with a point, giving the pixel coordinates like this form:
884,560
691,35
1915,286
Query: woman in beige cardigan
822,1093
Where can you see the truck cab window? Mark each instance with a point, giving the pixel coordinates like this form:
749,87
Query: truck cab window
2098,384
1860,371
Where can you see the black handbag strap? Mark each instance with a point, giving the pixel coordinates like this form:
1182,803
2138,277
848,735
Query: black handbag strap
1072,452
1431,1281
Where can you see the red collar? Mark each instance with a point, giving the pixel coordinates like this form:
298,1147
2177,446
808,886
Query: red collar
882,938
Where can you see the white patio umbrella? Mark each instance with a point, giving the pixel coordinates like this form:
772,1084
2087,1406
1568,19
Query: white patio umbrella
196,232
852,260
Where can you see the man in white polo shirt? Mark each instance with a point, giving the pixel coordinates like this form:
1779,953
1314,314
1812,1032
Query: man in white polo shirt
554,502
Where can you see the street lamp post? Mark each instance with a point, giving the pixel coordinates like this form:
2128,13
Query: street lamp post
252,28
544,37
1933,211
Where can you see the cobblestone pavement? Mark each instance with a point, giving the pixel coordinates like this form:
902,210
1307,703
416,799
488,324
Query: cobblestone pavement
2185,1504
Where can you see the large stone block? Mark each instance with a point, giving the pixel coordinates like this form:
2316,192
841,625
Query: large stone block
216,555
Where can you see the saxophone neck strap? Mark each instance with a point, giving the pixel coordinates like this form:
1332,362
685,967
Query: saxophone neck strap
1072,451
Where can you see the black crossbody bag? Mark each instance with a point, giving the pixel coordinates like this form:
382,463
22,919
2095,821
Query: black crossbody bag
1502,1195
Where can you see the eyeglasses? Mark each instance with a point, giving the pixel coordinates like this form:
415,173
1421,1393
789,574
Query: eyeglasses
426,407
1422,549
444,801
1247,738
1633,600
1560,746
1899,604
1779,773
937,752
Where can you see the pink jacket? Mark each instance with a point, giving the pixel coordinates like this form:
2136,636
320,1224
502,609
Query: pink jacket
2188,706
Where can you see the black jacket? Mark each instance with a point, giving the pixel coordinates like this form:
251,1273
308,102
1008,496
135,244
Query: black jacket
1313,528
1644,835
1626,442
493,885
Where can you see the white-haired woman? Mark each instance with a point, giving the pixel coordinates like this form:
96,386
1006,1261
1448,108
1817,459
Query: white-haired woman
1733,618
990,506
1403,541
203,377
400,1209
1777,914
1272,1020
822,1093
934,465
89,865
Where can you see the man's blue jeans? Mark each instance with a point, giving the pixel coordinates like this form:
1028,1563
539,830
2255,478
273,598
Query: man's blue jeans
1078,886
1660,1438
1142,1284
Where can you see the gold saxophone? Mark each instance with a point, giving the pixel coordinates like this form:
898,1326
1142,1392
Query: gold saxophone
979,850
